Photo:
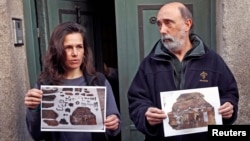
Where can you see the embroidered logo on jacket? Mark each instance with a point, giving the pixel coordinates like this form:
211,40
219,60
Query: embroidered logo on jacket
203,77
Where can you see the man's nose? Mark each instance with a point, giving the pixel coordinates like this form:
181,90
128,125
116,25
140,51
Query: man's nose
163,29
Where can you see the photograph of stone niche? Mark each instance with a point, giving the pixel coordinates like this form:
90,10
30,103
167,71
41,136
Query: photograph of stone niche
73,108
191,110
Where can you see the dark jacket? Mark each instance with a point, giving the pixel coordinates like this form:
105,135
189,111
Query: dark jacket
33,117
156,74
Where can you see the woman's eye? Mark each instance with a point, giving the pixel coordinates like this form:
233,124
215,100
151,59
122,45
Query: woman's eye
79,46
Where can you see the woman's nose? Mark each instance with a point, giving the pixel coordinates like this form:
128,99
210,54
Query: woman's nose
74,51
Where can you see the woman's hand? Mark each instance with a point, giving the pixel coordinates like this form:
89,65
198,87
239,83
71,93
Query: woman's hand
112,122
33,98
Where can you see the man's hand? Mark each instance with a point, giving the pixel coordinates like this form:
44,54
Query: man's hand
155,115
226,110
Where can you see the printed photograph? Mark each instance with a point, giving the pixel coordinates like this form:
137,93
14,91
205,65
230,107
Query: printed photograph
190,111
73,108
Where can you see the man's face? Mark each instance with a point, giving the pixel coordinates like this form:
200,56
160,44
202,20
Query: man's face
171,27
172,43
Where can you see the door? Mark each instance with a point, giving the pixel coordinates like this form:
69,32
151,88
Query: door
41,17
98,20
137,33
53,12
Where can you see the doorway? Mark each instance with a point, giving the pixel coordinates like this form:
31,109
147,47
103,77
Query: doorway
97,18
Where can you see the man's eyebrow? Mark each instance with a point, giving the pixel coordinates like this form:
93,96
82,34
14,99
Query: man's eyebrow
166,20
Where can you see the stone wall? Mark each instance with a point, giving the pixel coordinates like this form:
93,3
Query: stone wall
233,44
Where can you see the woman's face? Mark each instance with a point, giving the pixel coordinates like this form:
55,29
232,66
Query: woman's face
74,49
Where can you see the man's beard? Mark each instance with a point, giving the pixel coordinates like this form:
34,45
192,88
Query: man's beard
171,43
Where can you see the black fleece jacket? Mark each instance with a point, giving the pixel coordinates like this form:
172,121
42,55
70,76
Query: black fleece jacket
157,73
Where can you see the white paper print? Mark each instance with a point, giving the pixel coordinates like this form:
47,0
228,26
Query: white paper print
190,111
73,108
